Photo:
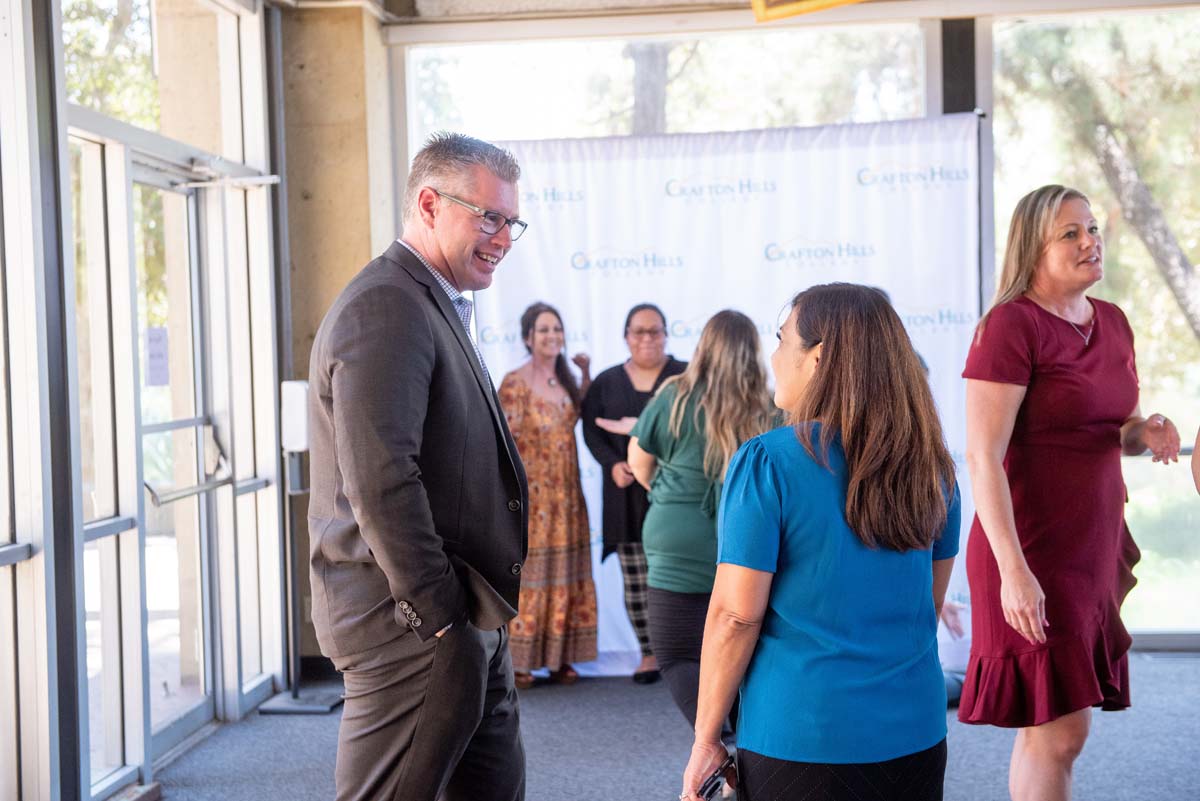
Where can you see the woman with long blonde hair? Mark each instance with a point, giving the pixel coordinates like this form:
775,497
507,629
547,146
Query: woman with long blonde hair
680,450
1052,404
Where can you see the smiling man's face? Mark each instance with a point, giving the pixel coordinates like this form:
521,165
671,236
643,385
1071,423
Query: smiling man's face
471,255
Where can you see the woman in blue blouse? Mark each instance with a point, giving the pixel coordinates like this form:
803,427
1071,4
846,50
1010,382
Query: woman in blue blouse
836,537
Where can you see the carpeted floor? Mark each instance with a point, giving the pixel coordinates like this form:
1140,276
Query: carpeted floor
611,739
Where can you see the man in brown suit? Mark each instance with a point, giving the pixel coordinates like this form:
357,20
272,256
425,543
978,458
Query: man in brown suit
418,510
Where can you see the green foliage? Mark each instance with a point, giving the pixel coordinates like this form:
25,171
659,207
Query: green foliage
435,107
715,83
1139,75
150,253
796,78
108,59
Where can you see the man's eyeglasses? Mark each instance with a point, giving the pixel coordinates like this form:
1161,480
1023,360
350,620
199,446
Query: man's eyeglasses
645,333
491,221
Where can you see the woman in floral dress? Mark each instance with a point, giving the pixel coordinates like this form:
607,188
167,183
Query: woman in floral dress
556,619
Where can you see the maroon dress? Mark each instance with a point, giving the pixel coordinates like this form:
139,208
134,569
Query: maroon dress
1064,472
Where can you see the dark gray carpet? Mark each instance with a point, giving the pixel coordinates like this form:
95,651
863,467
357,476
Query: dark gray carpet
611,739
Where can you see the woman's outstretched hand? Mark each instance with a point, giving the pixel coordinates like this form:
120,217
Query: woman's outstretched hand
622,426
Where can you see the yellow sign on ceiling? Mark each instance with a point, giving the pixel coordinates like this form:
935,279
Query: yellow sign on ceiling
765,10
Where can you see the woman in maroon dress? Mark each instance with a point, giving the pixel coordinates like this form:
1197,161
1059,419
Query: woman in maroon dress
1052,403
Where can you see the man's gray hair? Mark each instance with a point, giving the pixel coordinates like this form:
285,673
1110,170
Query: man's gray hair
449,157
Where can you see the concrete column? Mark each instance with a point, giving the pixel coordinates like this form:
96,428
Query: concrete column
341,205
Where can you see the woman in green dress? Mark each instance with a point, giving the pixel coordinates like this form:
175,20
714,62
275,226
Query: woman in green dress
680,448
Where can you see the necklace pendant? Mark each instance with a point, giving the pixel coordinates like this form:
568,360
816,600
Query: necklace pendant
552,381
1087,337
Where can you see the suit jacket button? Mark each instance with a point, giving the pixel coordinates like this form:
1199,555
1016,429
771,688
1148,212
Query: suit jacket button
411,614
516,569
416,622
514,505
403,605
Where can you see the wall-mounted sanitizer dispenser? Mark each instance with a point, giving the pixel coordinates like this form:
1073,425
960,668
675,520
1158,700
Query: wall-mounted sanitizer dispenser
293,432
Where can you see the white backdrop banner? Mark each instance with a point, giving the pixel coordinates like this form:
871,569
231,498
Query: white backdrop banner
699,223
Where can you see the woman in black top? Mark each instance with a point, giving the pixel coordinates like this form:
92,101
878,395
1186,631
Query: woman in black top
623,391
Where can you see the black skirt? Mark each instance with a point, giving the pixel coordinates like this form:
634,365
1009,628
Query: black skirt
916,777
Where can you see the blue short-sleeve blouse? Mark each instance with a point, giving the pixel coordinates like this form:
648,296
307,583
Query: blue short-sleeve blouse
846,669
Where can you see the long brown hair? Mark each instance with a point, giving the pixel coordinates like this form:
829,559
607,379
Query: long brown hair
561,370
870,389
727,374
1028,232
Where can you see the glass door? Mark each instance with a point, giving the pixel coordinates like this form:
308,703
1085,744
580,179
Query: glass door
179,467
101,524
178,592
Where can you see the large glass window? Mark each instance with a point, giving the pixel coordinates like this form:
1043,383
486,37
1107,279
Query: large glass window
249,585
155,439
163,253
176,451
8,686
242,388
722,82
92,331
6,510
9,755
1163,516
241,333
175,630
102,623
164,65
1108,104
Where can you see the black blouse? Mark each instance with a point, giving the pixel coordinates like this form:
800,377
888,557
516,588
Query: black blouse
612,396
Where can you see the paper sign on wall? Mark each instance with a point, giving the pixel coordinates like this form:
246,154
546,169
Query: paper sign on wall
158,371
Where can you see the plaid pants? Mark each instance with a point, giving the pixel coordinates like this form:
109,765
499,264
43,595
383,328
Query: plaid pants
637,604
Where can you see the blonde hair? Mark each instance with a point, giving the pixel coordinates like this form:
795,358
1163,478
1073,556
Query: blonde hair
727,373
1030,229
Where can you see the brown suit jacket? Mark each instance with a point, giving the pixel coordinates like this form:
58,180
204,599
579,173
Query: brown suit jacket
418,511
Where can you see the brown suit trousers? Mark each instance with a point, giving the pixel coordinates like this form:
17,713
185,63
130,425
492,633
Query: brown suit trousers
432,719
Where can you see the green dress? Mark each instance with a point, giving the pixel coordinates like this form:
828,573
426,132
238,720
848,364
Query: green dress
680,532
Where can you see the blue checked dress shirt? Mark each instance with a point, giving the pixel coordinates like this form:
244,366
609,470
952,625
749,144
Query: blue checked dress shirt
461,304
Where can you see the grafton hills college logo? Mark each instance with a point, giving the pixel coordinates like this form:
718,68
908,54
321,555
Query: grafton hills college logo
939,320
910,176
648,261
545,197
680,328
508,335
803,253
716,189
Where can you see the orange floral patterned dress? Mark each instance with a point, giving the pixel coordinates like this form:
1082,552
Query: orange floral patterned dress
556,620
